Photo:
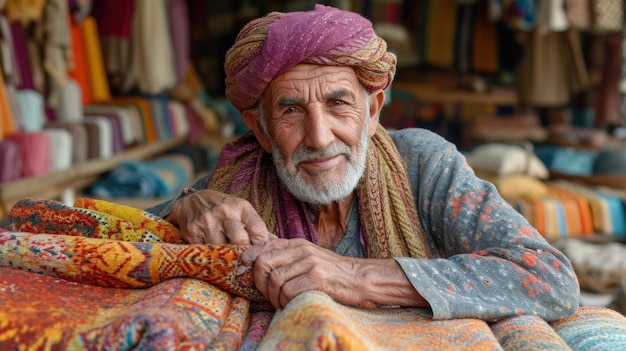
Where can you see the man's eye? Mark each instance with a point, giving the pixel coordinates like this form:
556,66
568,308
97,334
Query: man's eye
337,102
291,110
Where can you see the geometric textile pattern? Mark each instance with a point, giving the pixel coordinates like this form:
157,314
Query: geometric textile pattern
101,276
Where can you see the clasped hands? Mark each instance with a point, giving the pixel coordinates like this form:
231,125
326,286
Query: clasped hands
284,268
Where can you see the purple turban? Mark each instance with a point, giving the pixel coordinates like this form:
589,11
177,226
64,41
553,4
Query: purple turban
269,46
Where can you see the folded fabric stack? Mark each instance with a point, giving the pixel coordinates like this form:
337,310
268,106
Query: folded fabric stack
76,101
557,208
572,209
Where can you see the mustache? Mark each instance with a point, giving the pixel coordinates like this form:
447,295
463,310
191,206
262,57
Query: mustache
303,155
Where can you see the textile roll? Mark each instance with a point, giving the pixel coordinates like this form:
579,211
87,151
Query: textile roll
130,124
104,129
598,205
196,124
60,148
142,106
593,328
93,140
160,116
616,211
116,130
33,152
178,118
70,108
78,132
31,107
121,278
10,162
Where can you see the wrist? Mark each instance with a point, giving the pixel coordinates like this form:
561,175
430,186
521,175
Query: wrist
383,282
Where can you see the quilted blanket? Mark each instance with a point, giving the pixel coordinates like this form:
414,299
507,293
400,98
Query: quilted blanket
98,275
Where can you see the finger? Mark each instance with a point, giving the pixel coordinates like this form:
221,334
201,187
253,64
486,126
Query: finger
257,230
193,238
272,257
250,255
287,281
201,232
235,232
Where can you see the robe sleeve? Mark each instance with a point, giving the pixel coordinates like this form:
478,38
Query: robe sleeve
163,209
490,263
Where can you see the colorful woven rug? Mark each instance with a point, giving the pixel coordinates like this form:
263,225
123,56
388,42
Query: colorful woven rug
104,276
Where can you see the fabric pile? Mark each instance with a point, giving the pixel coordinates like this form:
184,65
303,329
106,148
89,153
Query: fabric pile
99,275
89,93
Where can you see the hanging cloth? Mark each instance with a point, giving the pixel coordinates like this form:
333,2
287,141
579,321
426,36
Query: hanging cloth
440,33
608,98
114,20
80,73
21,57
7,122
179,28
152,51
552,68
95,63
484,42
55,38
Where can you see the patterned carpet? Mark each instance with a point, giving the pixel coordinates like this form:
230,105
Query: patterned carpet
104,276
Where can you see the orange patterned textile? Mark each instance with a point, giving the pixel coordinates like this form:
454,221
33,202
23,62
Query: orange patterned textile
116,283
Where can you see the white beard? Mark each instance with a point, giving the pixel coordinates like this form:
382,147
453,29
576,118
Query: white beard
329,191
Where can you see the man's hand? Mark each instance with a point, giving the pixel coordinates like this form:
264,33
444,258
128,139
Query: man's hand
211,217
285,268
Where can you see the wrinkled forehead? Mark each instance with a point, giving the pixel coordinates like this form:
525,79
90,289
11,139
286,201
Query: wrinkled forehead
311,79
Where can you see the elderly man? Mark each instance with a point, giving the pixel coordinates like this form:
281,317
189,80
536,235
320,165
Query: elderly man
331,201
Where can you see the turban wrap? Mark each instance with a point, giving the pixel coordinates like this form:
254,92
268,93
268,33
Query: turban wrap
269,46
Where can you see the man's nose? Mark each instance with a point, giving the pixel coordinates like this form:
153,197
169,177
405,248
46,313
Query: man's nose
318,129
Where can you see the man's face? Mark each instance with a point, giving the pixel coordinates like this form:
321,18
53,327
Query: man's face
317,122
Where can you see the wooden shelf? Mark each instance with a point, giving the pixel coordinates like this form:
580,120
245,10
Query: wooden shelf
426,92
611,181
56,184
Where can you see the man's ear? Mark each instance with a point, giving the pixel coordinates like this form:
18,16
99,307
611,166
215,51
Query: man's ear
377,101
252,119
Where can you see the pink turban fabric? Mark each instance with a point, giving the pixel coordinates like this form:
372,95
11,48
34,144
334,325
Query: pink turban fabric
269,46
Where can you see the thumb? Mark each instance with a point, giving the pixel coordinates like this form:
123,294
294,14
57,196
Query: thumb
249,256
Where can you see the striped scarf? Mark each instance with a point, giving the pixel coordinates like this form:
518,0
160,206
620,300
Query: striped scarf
390,225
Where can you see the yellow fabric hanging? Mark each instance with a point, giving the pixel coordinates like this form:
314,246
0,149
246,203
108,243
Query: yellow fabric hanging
440,33
95,63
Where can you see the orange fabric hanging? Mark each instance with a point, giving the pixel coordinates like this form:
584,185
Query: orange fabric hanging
80,73
7,124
